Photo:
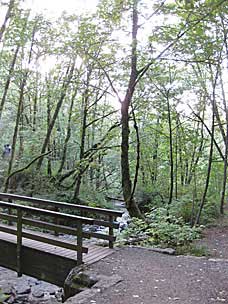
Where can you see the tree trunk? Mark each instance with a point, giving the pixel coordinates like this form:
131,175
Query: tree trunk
19,112
154,172
34,108
49,168
211,150
7,17
68,135
6,88
222,199
223,194
78,179
16,129
208,172
176,155
131,205
170,152
69,75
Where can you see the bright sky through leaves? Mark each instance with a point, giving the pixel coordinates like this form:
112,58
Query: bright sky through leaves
56,7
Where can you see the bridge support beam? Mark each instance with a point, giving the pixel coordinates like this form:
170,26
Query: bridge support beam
41,265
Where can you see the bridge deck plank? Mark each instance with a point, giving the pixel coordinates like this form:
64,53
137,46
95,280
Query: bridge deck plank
95,253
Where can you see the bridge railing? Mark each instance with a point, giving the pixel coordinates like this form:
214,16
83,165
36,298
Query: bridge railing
20,219
100,216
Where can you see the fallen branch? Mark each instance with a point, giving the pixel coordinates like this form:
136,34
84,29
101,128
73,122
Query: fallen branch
26,167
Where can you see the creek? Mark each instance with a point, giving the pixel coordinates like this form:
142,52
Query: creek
23,290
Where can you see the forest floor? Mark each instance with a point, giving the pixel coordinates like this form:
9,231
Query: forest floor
153,278
215,238
148,277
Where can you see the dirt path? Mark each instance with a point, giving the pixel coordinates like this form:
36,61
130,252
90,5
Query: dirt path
215,239
153,278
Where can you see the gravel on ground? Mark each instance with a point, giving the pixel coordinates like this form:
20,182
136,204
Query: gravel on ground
153,278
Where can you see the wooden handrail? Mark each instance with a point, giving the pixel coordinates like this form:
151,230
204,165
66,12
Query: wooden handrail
37,237
43,225
40,201
55,214
109,214
20,233
20,212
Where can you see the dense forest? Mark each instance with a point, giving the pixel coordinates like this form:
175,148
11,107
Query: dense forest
129,102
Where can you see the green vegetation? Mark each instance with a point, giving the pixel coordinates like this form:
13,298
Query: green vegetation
129,102
3,297
192,249
160,229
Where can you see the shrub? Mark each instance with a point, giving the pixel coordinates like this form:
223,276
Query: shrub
193,249
148,199
3,297
182,208
158,229
94,198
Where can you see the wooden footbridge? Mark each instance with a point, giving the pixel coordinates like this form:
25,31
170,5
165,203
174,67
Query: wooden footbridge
32,230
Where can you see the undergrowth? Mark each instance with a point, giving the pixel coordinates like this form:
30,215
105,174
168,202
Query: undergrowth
192,249
3,297
158,229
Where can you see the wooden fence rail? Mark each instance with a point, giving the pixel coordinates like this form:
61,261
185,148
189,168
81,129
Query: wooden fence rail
108,220
20,220
23,214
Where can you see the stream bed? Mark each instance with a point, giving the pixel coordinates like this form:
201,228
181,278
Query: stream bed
26,289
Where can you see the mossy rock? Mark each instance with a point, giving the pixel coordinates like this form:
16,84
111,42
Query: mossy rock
77,281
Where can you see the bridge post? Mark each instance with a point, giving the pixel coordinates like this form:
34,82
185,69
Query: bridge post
10,223
111,231
79,242
19,241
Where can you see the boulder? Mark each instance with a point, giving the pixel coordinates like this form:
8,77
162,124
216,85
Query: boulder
77,281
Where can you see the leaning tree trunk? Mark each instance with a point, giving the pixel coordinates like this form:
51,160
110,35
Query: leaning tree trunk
7,17
131,205
16,129
213,101
223,194
7,84
78,179
68,133
208,173
69,75
19,112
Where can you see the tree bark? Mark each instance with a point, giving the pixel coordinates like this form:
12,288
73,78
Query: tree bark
208,172
214,83
19,112
49,167
131,205
85,105
170,152
6,88
223,193
7,17
68,135
69,75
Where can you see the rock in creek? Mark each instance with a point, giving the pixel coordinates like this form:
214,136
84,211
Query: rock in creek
77,281
23,290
